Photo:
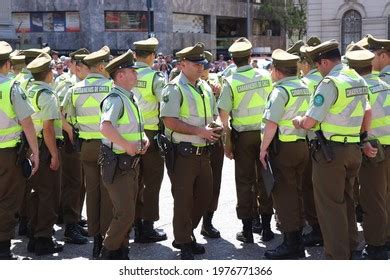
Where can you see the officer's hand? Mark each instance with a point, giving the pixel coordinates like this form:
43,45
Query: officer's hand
369,150
263,156
145,145
132,148
296,122
216,89
35,163
209,133
228,152
54,163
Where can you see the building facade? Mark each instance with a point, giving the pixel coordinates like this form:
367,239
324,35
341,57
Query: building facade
71,24
348,20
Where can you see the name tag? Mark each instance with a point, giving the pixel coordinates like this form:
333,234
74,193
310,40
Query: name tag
141,84
378,88
254,85
356,91
92,89
300,92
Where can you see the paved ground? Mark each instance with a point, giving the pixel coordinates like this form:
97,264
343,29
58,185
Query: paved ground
225,220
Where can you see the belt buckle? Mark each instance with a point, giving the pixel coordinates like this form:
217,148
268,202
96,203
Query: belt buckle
198,151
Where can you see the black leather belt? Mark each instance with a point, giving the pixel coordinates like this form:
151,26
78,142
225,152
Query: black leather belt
186,148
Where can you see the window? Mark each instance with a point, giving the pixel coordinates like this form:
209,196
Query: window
187,23
134,21
46,22
351,28
264,27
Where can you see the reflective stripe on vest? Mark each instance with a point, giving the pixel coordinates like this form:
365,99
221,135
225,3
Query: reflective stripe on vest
250,90
297,105
86,98
345,117
147,101
196,109
9,127
312,80
33,94
130,125
379,97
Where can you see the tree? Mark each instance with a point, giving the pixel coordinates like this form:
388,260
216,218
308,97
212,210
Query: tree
291,14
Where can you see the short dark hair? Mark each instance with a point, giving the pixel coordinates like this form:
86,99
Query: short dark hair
3,62
143,53
116,72
363,70
241,61
288,71
333,55
41,76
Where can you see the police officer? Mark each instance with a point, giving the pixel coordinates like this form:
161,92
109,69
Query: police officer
148,93
71,180
18,62
290,98
216,156
243,97
373,172
84,106
381,62
46,182
15,116
122,127
187,109
337,110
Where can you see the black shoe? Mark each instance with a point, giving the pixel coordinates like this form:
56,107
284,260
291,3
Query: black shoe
374,253
186,251
97,246
267,233
23,226
73,236
257,226
47,246
5,251
82,230
147,234
313,238
356,255
106,254
83,222
208,229
196,248
31,245
291,248
246,235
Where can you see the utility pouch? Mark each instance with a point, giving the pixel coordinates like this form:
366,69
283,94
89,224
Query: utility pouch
108,161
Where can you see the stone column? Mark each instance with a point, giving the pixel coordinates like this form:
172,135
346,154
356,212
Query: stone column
7,30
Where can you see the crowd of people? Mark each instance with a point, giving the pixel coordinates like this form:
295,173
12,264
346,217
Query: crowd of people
309,134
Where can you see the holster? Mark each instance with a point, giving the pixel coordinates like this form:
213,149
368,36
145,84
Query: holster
167,150
275,144
21,149
77,141
108,161
127,162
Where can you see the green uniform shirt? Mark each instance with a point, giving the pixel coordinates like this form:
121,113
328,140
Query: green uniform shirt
225,101
172,99
113,107
384,74
48,103
158,81
324,97
276,104
19,100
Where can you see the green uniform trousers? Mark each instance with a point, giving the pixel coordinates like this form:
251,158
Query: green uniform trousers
71,183
150,180
216,160
123,195
374,188
99,206
45,196
192,186
288,168
12,185
248,175
309,206
333,193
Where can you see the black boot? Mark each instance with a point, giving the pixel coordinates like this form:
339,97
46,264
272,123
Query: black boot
5,251
31,245
313,238
371,252
23,226
208,229
149,234
106,254
196,248
267,233
246,235
97,246
125,253
73,236
47,246
83,222
256,225
186,251
82,230
291,248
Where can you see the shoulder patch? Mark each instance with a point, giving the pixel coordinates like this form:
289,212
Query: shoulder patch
161,75
107,105
318,100
165,98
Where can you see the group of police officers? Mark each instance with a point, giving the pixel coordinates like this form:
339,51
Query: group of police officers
317,123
